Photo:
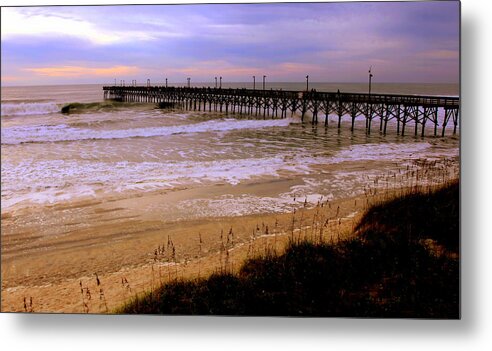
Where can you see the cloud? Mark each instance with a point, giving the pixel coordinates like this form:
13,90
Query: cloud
289,68
439,55
9,79
328,41
77,71
207,69
25,22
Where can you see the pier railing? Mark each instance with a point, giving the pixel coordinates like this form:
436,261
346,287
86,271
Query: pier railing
418,110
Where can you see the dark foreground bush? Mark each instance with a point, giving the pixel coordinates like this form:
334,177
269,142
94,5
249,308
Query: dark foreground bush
380,273
419,216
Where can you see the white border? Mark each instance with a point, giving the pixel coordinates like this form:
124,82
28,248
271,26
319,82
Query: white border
473,332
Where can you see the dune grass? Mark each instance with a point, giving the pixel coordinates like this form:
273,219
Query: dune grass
402,262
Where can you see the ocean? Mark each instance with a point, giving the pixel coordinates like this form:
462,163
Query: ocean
222,165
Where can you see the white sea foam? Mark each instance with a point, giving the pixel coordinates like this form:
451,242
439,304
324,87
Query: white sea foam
42,196
382,151
58,173
56,180
391,152
62,132
228,205
29,108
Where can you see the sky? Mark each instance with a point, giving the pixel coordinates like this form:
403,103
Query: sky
415,42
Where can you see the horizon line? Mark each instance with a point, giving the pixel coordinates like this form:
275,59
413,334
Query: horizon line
228,82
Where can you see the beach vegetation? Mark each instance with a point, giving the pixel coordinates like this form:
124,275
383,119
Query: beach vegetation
402,261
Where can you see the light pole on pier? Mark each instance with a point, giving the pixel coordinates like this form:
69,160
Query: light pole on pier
370,79
123,82
215,82
188,82
254,82
166,82
264,82
307,83
220,84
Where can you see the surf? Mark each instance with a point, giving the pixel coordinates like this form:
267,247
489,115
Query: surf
29,108
63,132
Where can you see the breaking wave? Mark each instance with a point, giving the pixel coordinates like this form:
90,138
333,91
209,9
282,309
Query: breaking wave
78,107
29,108
63,132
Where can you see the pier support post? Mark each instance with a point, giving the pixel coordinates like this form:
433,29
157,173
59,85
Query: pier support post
416,116
436,122
398,120
404,121
386,118
353,115
340,113
424,120
315,113
455,120
446,119
369,119
384,111
303,111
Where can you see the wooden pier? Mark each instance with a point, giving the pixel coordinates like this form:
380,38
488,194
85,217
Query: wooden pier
419,111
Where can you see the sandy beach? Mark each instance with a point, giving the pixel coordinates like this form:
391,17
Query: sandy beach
131,253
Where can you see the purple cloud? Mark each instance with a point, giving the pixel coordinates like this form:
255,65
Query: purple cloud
403,41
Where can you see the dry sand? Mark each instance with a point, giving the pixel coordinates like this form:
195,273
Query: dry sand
51,254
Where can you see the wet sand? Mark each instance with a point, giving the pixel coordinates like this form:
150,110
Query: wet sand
52,253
